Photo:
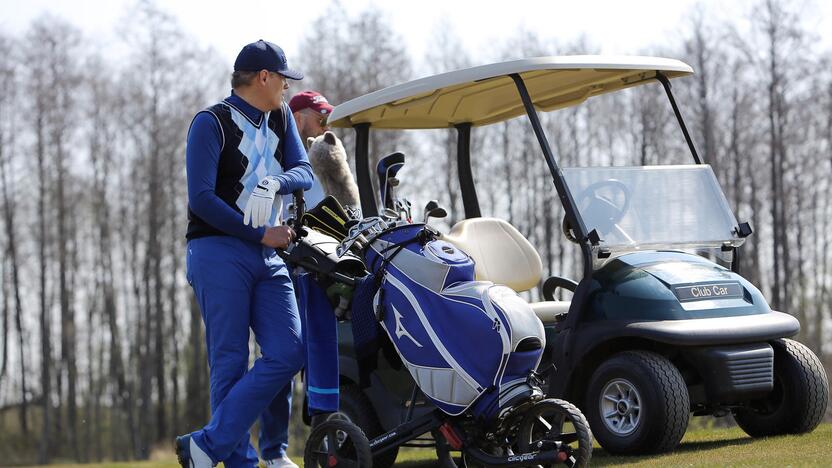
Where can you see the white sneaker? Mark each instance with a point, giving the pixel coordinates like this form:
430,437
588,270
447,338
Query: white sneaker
190,455
282,462
199,458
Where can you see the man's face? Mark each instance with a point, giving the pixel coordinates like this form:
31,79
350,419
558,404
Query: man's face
313,124
273,86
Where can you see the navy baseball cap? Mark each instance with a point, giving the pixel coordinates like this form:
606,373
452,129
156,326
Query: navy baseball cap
262,55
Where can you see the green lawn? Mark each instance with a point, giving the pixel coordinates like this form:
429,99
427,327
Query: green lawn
703,447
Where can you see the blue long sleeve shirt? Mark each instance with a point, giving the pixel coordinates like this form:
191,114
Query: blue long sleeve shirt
206,144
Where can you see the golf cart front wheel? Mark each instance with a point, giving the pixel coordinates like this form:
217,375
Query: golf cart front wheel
550,421
637,402
337,443
798,400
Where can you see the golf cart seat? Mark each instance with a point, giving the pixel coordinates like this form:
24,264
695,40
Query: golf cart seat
504,256
550,311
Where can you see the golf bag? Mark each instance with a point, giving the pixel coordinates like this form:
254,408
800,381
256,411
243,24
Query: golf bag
468,344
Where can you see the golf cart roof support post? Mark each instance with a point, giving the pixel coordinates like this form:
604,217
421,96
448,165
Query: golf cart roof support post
666,83
566,200
362,170
466,178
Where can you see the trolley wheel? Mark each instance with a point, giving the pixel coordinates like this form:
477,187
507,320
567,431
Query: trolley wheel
337,443
554,420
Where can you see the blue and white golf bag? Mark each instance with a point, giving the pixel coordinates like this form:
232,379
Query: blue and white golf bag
469,345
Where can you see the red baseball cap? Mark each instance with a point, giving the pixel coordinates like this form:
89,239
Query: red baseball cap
311,100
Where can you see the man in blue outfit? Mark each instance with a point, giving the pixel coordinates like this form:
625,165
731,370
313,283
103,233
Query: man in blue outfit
242,154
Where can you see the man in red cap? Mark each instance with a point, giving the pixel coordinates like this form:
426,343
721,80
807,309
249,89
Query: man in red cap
311,110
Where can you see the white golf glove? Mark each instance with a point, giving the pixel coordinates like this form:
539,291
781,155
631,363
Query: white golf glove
259,206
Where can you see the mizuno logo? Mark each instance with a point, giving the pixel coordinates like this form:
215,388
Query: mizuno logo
400,330
261,187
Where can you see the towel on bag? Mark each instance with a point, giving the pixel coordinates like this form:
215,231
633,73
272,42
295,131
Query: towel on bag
320,334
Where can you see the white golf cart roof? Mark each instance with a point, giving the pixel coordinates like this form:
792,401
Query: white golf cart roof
486,94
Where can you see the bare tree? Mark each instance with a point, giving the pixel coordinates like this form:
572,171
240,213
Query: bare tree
6,77
11,251
61,40
39,86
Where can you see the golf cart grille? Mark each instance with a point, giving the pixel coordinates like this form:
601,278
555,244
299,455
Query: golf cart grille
751,372
734,373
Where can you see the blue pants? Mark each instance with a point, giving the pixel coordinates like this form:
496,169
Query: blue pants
239,286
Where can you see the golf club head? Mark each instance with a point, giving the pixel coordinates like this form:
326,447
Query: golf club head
438,212
433,210
431,205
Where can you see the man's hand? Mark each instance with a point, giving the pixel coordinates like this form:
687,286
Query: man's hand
259,205
278,237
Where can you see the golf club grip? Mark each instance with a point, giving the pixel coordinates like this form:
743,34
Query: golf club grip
300,205
300,209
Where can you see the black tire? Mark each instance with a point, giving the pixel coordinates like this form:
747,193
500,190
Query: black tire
338,441
653,409
549,420
358,408
798,401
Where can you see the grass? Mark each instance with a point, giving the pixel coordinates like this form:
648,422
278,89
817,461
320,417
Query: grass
701,447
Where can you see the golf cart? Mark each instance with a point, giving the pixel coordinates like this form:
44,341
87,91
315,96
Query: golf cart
660,324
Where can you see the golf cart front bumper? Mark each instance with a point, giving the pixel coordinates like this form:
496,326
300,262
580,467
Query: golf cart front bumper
712,331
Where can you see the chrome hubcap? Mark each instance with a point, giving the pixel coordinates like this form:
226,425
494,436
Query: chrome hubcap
620,406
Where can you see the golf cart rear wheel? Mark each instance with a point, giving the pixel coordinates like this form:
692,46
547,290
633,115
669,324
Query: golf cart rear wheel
337,443
554,420
798,401
637,402
358,408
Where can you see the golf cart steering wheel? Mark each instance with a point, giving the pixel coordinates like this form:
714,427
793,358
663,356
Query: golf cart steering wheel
611,213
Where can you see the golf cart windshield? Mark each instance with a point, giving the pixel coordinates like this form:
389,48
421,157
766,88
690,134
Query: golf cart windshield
648,207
